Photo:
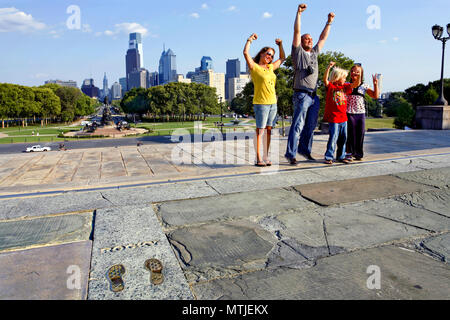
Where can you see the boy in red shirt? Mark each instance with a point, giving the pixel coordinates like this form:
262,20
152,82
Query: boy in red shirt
336,112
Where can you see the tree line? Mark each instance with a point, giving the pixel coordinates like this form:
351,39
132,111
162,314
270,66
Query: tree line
50,102
172,102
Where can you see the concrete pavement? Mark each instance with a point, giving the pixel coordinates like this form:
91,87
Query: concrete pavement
229,230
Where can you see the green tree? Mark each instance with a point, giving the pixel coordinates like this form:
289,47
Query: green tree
405,113
50,104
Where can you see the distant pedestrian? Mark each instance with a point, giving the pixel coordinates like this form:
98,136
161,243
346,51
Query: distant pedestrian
336,112
306,102
262,70
356,112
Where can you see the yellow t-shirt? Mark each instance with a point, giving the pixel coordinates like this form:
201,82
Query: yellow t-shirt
264,81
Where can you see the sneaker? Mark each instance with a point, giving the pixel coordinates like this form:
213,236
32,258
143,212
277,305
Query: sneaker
308,156
292,161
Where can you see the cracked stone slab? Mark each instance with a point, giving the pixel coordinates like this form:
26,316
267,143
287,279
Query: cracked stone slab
438,246
158,193
435,200
220,249
354,190
130,235
405,274
401,212
45,205
226,207
439,178
57,272
47,230
351,229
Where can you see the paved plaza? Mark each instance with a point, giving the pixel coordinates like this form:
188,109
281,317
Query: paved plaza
225,229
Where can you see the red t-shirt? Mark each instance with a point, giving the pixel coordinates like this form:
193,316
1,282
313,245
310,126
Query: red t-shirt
336,103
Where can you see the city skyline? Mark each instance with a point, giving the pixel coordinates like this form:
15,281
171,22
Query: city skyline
42,47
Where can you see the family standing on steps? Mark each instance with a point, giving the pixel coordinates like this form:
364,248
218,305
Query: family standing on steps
345,104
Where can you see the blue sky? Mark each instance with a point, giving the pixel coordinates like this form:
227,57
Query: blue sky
37,45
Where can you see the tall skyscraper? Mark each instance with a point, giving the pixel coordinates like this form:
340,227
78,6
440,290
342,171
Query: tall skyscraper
133,63
105,86
167,67
136,43
206,64
233,67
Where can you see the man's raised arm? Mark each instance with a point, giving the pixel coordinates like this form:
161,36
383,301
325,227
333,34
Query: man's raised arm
297,26
324,35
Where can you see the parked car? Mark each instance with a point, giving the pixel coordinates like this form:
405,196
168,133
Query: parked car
37,148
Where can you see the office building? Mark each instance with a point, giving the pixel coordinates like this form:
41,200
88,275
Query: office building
89,89
152,79
206,64
133,63
138,79
182,79
236,85
233,70
212,79
167,67
123,84
105,90
116,91
69,83
135,42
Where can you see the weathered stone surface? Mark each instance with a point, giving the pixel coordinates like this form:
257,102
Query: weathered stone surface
435,201
130,235
353,190
438,246
157,193
351,229
45,205
219,249
404,275
265,181
225,207
48,273
48,230
402,212
439,178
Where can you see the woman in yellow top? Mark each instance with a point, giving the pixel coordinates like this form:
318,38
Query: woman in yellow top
262,70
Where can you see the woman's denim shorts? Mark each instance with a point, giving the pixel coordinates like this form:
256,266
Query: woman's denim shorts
265,115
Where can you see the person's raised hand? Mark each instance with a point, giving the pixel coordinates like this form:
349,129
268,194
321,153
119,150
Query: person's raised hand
331,16
302,8
254,36
278,42
332,64
375,80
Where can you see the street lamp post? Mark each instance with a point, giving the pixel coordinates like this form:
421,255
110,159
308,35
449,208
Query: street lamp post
221,115
437,34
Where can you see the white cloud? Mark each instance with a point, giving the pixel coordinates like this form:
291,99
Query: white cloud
382,41
205,6
267,15
127,28
232,8
11,20
396,39
195,15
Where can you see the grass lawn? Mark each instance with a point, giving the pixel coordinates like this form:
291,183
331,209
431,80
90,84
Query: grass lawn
379,123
